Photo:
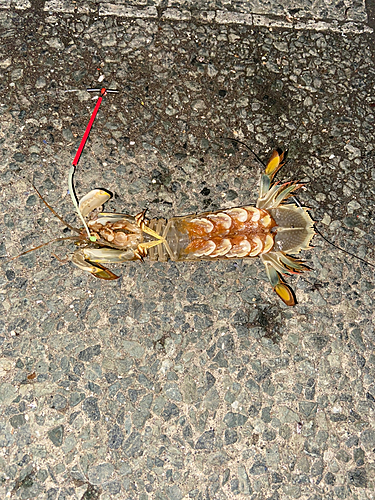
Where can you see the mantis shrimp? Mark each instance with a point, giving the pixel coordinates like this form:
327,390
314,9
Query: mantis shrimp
272,230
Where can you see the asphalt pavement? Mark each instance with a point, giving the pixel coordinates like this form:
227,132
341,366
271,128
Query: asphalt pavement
186,380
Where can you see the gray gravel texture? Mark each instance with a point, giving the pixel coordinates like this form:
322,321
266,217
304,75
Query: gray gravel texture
185,380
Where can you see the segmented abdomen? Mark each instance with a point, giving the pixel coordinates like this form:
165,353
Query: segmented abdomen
233,233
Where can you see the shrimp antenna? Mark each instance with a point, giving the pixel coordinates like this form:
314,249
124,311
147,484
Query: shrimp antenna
247,147
299,204
330,242
75,238
54,212
342,250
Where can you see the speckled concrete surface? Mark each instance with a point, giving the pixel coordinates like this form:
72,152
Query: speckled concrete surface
185,380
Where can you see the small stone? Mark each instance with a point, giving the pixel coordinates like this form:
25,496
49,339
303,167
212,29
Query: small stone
172,391
343,456
133,445
68,136
258,468
352,206
285,432
77,474
286,415
139,418
90,407
310,389
187,432
230,436
17,420
358,454
199,308
110,377
269,435
16,74
252,386
351,222
317,468
56,435
159,403
174,493
146,402
69,444
133,395
276,478
31,200
146,382
113,487
198,105
338,417
134,349
3,251
243,481
212,400
115,437
210,380
7,393
358,477
58,402
109,40
226,475
40,83
330,478
235,419
356,335
170,110
55,43
75,398
211,70
206,441
326,220
353,151
170,410
368,439
226,343
100,473
189,389
292,490
307,408
266,414
253,411
5,63
19,157
234,486
89,353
